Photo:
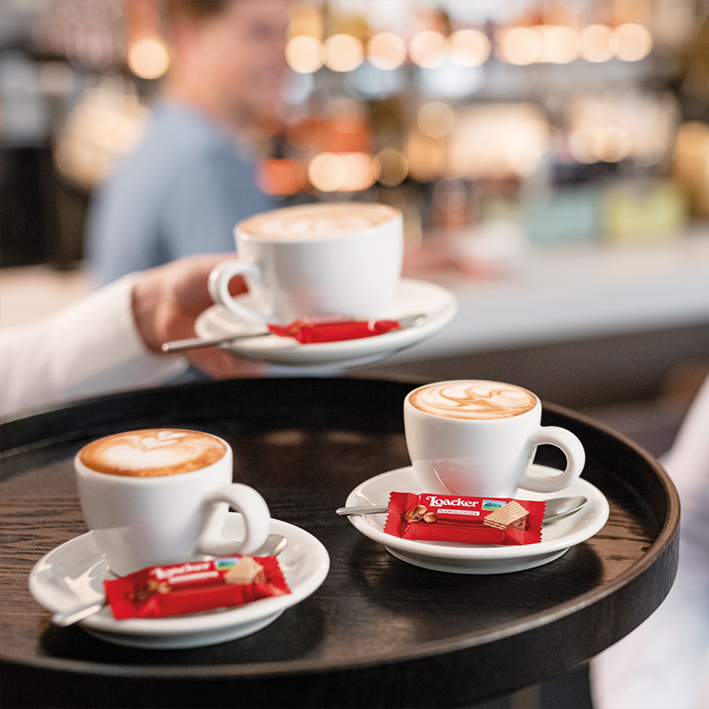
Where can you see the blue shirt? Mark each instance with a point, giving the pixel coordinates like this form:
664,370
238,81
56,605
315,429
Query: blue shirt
179,192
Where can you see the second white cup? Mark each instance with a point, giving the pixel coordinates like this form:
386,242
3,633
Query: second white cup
477,438
313,261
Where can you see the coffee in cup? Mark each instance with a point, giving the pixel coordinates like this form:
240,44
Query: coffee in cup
477,438
316,260
153,453
480,400
160,496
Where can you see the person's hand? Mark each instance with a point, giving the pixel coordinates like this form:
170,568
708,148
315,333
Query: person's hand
166,303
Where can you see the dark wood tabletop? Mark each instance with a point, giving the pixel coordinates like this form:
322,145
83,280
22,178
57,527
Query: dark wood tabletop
378,632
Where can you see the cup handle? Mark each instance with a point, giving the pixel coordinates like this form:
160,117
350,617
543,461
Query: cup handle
575,459
257,521
218,286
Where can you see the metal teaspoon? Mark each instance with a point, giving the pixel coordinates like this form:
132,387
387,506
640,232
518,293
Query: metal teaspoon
556,508
274,546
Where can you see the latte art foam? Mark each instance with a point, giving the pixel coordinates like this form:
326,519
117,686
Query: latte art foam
152,452
473,400
318,221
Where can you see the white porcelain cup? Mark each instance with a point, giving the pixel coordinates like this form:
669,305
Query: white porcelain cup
477,438
314,260
143,516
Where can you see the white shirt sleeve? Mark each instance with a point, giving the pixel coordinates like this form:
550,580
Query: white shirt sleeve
91,347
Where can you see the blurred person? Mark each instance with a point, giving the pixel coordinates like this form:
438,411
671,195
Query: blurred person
664,663
111,339
190,178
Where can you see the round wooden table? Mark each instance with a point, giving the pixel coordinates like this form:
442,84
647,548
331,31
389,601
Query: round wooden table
378,632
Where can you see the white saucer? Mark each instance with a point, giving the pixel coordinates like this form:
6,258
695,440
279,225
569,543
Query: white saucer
411,297
557,538
73,573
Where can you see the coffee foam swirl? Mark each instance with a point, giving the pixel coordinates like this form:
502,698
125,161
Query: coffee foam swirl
152,452
473,400
318,221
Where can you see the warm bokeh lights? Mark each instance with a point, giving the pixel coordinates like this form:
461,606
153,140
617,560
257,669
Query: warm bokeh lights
343,52
691,163
498,141
435,119
428,49
596,43
304,54
386,50
327,172
632,42
148,58
341,172
469,47
556,44
562,45
600,144
520,45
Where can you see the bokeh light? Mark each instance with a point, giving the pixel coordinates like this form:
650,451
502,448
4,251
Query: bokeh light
562,44
360,172
390,167
343,52
520,45
344,172
327,172
435,119
611,144
469,47
632,42
600,144
304,54
581,145
386,50
596,43
526,146
148,58
498,141
691,163
427,157
428,49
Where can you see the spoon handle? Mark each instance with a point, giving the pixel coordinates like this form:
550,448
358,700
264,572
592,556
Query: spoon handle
364,510
194,343
77,613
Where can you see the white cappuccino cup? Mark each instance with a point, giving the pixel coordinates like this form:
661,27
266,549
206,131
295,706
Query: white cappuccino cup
477,438
314,260
160,496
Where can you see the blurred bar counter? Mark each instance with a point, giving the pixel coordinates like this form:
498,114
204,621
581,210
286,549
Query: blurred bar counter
582,326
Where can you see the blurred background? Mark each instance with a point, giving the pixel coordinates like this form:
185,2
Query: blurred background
558,149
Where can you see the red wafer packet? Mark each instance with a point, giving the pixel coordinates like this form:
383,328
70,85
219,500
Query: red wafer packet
469,520
160,591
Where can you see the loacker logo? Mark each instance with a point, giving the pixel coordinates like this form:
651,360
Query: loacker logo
451,502
167,572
